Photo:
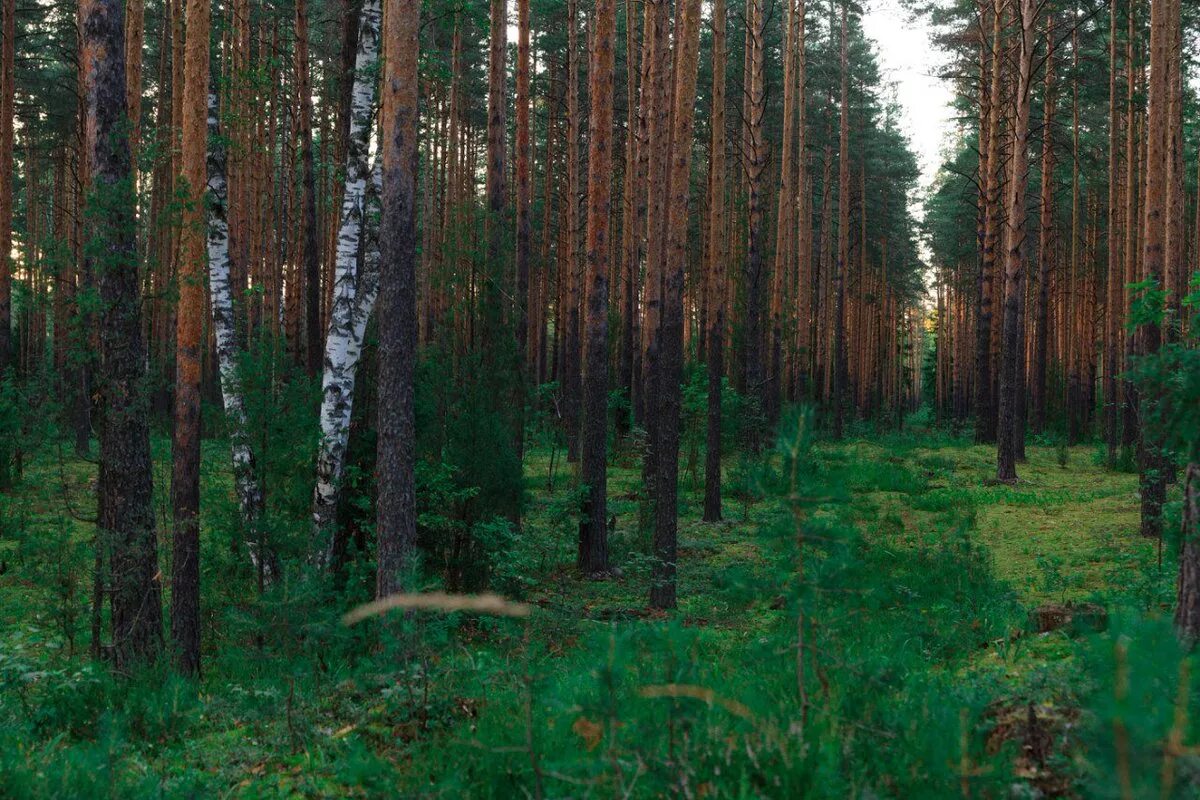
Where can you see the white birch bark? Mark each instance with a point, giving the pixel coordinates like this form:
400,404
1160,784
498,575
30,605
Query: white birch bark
250,499
354,293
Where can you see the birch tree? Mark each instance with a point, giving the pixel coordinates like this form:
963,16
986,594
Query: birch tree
354,294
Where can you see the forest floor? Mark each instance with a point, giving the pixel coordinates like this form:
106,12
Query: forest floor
938,657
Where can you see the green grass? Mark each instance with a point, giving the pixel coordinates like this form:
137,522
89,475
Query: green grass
914,575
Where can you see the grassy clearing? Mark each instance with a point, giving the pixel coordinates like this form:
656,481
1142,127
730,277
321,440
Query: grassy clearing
914,577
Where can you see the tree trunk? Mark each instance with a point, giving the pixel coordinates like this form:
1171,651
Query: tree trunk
843,254
665,540
658,144
752,359
1112,315
716,271
1007,424
990,177
126,513
593,528
7,119
1045,240
308,199
353,296
524,201
1152,472
396,525
1187,605
185,451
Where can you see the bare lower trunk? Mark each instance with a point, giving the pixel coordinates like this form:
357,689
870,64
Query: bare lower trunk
1187,606
396,526
716,278
593,529
126,513
665,540
1014,267
185,449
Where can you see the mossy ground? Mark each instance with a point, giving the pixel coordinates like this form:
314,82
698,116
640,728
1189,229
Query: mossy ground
920,573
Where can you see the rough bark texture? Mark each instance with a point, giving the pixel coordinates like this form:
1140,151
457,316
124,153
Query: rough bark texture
843,253
7,89
1112,315
990,169
1187,605
632,220
665,542
756,154
569,275
396,526
524,201
1045,243
804,268
308,199
126,514
716,271
1008,428
785,221
593,527
1152,473
189,322
658,143
353,295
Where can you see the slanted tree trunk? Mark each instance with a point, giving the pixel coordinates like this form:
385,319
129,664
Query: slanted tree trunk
1014,340
716,270
353,296
593,526
665,540
126,513
245,479
396,525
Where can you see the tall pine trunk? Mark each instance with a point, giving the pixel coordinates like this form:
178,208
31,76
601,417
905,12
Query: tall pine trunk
126,513
7,120
1152,467
1008,427
185,451
716,271
593,529
668,401
308,200
396,524
843,253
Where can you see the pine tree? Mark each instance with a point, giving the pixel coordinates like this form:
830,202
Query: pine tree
593,528
126,514
397,514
